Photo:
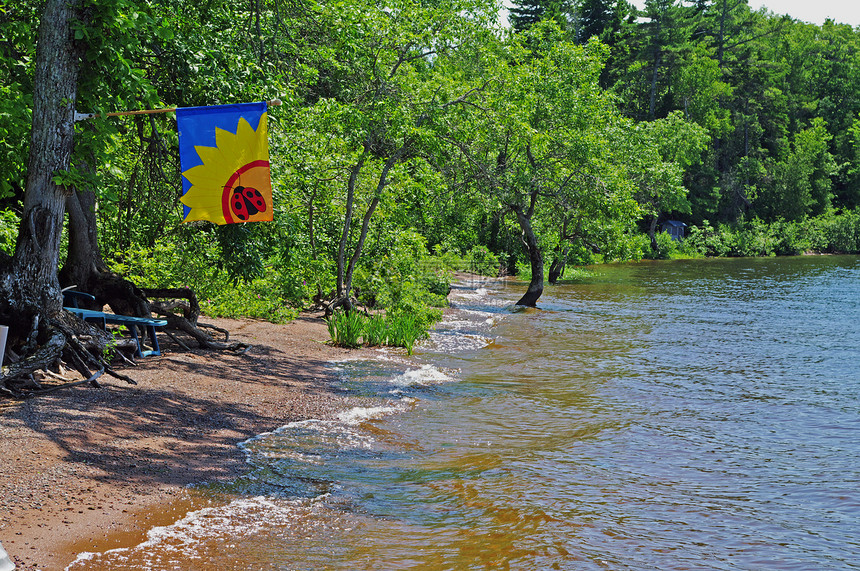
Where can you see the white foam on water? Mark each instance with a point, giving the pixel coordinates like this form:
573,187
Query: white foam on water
193,536
458,342
358,415
426,375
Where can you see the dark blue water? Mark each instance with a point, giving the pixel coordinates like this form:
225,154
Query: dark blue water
678,415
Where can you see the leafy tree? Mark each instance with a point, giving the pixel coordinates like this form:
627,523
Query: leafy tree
389,86
534,143
656,153
801,185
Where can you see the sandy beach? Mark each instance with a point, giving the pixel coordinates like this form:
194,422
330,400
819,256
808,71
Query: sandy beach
89,469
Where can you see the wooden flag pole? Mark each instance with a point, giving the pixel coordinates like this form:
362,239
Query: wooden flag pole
83,116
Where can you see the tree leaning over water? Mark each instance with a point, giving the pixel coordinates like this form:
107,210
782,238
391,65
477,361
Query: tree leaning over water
537,143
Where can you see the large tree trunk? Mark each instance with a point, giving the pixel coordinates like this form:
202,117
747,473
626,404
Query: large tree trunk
30,282
535,259
30,298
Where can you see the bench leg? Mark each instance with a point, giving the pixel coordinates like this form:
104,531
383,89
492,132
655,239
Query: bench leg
133,330
156,350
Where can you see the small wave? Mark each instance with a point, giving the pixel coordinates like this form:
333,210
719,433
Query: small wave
197,535
426,375
361,414
455,342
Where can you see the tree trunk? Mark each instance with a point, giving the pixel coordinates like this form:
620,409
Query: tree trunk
34,264
30,281
652,233
345,270
84,258
556,268
342,290
535,258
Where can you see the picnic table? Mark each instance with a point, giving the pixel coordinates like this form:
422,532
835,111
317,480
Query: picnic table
102,319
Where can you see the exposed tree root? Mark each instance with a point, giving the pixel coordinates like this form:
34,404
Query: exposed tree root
63,345
187,322
65,339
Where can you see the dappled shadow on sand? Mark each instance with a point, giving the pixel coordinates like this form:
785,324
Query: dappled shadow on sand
181,423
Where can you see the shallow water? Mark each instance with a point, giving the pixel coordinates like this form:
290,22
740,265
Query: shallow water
680,415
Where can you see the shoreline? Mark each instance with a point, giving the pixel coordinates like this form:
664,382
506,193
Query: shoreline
91,469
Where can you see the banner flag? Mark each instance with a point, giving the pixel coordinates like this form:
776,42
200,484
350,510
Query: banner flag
224,158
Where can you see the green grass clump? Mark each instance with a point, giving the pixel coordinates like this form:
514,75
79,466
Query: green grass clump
345,328
395,330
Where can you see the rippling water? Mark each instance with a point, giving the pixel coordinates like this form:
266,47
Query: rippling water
676,415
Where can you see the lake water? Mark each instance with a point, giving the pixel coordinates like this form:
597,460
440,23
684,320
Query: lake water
674,415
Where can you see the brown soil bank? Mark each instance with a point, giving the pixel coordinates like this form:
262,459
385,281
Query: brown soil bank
83,464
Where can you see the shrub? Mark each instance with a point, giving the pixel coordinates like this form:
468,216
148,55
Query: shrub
260,299
483,262
345,328
666,246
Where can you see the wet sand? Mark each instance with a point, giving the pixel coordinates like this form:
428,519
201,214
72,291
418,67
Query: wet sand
89,469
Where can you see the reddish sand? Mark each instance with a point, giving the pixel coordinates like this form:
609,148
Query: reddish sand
92,468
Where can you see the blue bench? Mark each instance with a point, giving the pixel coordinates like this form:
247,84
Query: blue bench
102,319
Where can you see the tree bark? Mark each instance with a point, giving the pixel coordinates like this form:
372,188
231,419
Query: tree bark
556,268
652,233
34,264
84,258
535,289
29,285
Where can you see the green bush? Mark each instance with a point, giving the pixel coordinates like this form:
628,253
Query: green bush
707,241
168,265
666,247
260,299
483,262
829,232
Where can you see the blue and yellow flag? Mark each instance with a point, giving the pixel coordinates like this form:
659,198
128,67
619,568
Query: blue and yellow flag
224,156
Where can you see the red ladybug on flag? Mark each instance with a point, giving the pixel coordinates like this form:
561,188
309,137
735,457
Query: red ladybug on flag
246,202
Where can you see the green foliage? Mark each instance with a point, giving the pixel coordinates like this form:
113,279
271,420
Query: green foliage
345,328
483,262
9,222
404,279
260,298
667,247
168,264
828,233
